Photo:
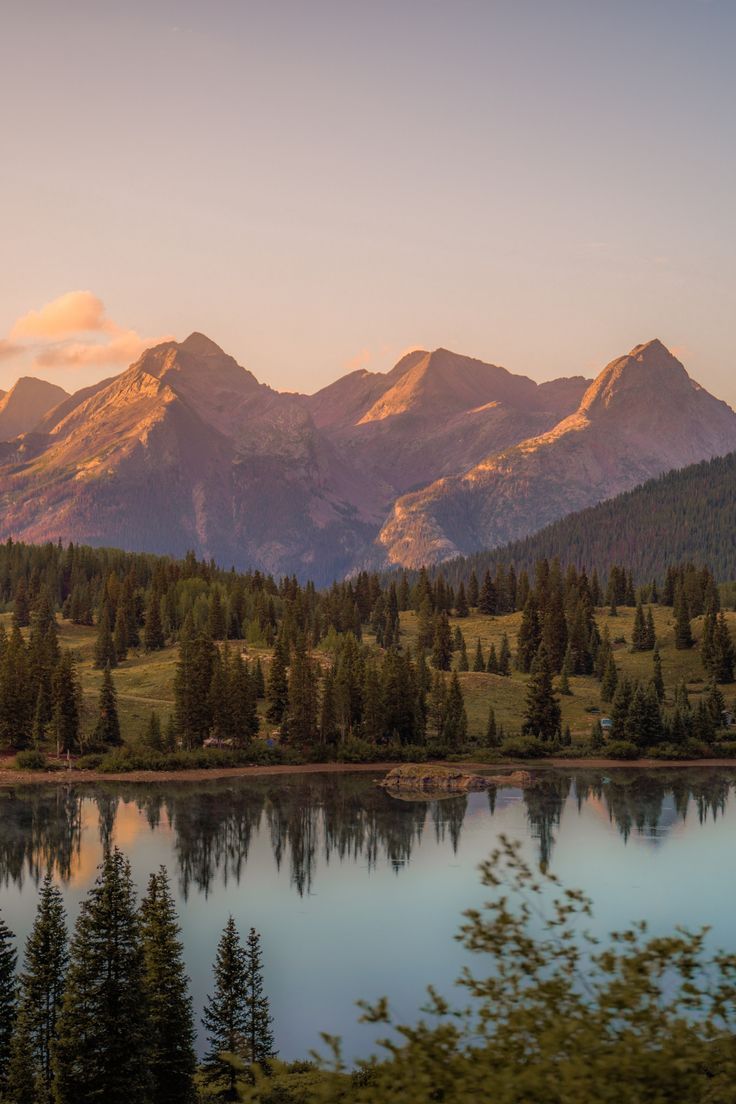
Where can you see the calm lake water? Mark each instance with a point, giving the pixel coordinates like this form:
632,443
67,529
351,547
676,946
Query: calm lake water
358,894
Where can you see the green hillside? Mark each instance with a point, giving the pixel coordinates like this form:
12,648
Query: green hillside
145,680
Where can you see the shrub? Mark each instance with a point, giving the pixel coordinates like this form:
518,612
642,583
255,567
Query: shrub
89,762
620,749
31,760
693,749
526,747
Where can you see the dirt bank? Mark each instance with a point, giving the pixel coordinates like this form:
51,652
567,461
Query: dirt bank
11,777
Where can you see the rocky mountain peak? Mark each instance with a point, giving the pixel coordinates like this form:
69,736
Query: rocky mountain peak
200,345
650,373
23,406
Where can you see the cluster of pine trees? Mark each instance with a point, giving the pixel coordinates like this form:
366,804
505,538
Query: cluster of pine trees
107,1015
390,697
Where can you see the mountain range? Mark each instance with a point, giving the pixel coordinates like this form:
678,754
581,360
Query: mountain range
441,456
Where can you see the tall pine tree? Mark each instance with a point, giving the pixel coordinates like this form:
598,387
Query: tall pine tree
101,1051
170,1040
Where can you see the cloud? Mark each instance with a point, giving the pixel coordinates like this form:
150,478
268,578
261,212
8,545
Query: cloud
74,312
72,333
124,348
8,349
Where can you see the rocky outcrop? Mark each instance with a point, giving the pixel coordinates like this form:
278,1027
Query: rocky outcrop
426,779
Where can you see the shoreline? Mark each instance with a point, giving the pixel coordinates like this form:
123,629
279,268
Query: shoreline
11,777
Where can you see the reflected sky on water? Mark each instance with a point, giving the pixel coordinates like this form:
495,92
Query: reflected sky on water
358,894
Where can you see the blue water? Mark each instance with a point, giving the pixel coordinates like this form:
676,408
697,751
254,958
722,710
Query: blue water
357,894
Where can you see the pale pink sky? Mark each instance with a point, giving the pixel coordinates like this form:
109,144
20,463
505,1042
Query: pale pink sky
320,186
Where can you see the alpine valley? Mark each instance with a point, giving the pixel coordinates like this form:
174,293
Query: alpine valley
442,456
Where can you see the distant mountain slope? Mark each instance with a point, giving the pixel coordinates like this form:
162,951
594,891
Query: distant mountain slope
437,413
688,514
25,404
184,450
443,454
642,416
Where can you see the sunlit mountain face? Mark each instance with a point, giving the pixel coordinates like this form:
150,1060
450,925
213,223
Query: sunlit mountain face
444,454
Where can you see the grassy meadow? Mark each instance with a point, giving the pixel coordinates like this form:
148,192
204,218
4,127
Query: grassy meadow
145,681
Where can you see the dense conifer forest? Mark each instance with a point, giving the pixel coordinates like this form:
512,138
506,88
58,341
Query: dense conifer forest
688,514
368,669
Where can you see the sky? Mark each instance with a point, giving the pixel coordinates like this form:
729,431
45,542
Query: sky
320,186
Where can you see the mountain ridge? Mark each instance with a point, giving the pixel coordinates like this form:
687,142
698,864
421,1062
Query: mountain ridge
441,455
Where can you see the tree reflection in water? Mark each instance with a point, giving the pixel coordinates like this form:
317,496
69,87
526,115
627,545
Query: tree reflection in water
321,818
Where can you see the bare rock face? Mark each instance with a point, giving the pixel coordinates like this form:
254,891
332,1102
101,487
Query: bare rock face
25,404
642,416
436,414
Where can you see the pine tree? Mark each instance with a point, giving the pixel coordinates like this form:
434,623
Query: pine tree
67,703
462,664
639,632
217,628
8,999
461,603
530,635
277,693
487,600
542,716
683,632
170,1027
651,635
226,1016
473,590
455,726
492,667
442,644
192,685
105,655
504,656
101,1051
153,633
301,721
716,704
554,628
657,678
479,663
21,605
609,681
259,1038
620,707
120,635
567,670
153,736
492,737
724,655
107,729
41,991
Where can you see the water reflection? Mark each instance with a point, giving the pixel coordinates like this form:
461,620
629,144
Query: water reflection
316,818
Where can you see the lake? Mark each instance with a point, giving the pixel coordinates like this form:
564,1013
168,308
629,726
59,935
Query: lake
357,894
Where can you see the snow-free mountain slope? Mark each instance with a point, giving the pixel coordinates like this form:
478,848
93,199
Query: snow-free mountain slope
642,416
25,404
